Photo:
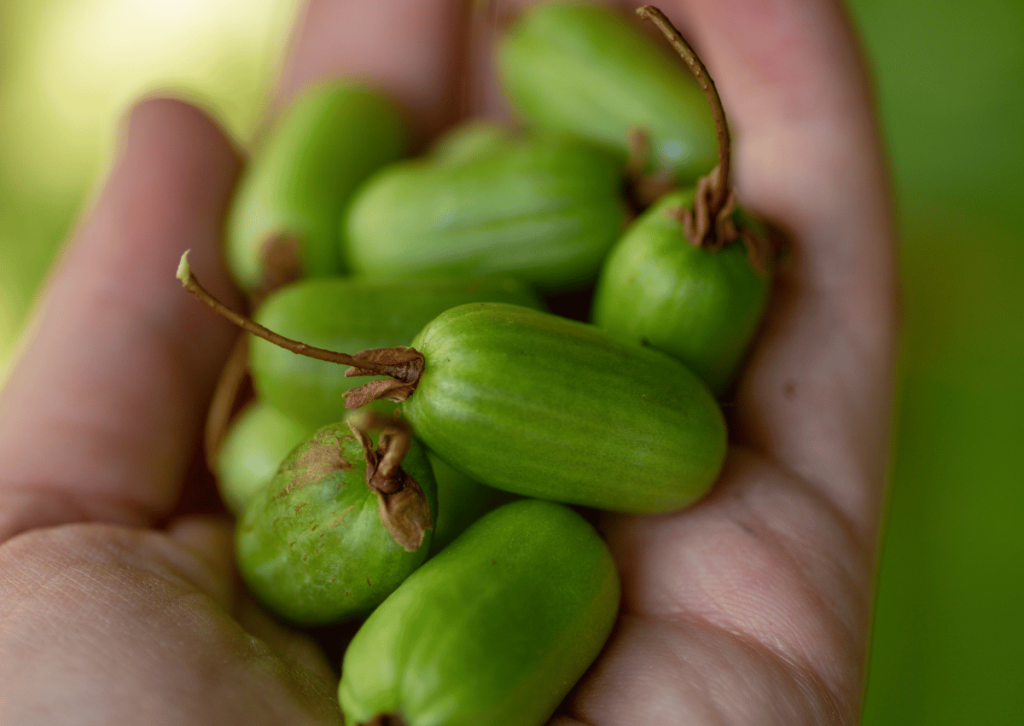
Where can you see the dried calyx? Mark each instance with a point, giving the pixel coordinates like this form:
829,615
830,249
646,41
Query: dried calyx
386,719
281,262
402,365
401,504
710,223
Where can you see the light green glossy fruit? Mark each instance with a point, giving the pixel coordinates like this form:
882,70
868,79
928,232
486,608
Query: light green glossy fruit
471,140
494,630
258,440
301,178
352,315
583,69
311,546
700,306
544,209
546,407
460,502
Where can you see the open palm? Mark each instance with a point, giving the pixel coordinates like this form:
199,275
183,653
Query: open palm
752,607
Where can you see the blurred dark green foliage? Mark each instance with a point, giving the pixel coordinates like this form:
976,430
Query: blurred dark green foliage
948,634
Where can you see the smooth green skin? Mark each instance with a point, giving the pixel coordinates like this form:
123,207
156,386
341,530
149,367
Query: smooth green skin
302,178
585,70
472,139
545,209
539,405
460,502
315,552
494,630
351,315
258,440
702,307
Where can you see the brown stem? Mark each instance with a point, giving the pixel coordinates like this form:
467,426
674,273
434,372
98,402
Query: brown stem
190,283
218,418
703,227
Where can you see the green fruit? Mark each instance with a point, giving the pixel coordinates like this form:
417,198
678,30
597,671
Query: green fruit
252,451
701,306
495,630
545,209
471,140
300,180
311,545
460,502
546,407
352,315
583,69
261,437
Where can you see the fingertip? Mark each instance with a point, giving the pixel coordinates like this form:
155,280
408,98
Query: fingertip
412,51
121,361
211,539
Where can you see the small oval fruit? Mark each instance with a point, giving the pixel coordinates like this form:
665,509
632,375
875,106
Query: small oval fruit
460,501
258,440
544,209
312,546
283,222
582,69
471,140
262,437
692,275
495,630
353,314
546,407
701,306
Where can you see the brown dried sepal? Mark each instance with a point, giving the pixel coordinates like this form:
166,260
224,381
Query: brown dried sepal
401,504
645,188
385,719
281,262
403,365
713,232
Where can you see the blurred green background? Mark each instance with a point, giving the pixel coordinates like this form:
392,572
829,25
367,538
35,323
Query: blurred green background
949,637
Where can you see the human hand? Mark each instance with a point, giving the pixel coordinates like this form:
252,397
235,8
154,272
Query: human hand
751,607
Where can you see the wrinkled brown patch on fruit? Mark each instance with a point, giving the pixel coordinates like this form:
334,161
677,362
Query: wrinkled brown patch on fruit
281,258
320,458
401,504
385,719
403,365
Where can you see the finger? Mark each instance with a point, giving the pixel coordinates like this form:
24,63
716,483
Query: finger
765,555
411,50
99,418
209,565
119,621
807,155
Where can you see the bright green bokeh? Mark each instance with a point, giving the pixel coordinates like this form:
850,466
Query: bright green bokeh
949,635
68,71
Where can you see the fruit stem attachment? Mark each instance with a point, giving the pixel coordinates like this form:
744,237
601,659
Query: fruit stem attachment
401,504
402,369
704,225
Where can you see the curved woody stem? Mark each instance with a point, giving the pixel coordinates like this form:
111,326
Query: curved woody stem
405,370
706,226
